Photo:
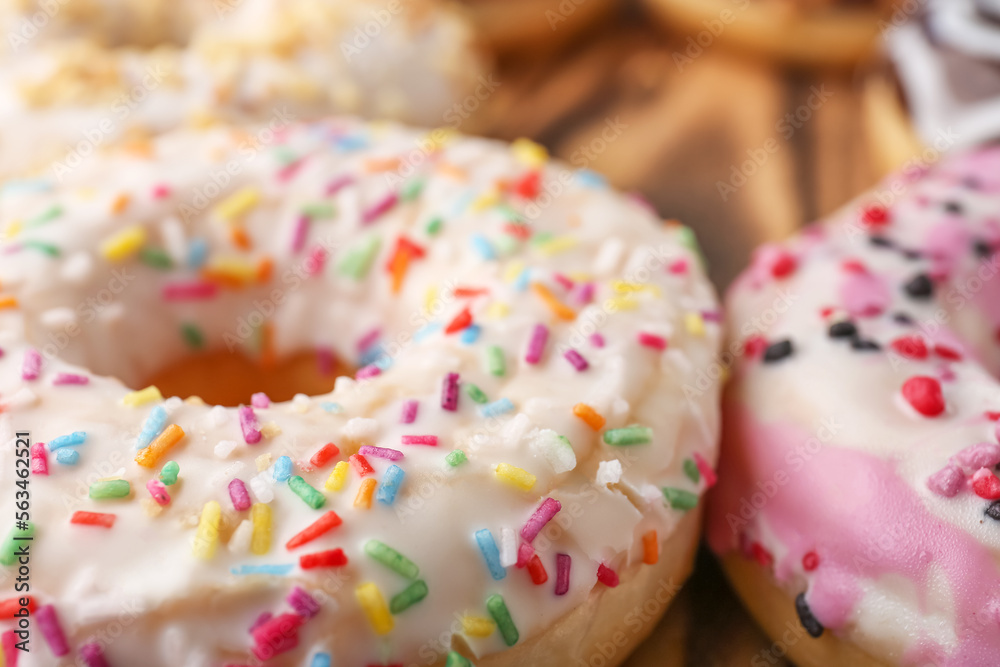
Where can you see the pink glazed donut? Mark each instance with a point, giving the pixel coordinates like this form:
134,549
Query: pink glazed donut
858,499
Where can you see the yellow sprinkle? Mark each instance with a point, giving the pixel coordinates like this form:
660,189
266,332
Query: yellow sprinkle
237,269
695,324
515,476
430,298
498,310
512,271
558,308
371,600
263,462
557,245
137,398
150,507
270,429
150,455
623,287
529,153
622,302
12,230
335,482
478,626
363,500
486,201
260,542
124,244
238,204
579,277
207,537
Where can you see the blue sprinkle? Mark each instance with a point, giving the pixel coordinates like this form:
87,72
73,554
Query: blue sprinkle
482,246
32,185
351,142
331,407
320,660
391,480
490,553
384,362
496,408
67,456
470,334
152,427
425,331
590,179
280,570
282,469
461,203
197,253
71,440
371,355
522,280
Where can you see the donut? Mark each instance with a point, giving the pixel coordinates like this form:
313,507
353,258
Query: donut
857,507
512,475
832,33
265,60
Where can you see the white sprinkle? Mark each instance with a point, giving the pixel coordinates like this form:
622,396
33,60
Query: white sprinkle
77,267
343,383
609,472
508,546
515,429
174,240
172,404
557,452
301,403
360,429
609,256
260,484
58,318
225,448
239,543
219,415
620,407
22,398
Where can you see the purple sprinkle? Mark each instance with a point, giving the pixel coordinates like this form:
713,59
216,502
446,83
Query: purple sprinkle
947,481
536,346
429,440
92,655
70,378
409,412
381,452
338,184
303,603
449,392
562,573
575,358
597,340
299,233
368,340
548,509
261,620
249,425
369,371
238,494
48,623
379,209
260,400
711,315
585,294
31,368
324,360
983,455
563,280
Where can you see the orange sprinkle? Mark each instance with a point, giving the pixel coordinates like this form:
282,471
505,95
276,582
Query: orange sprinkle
650,548
364,498
589,416
462,292
222,278
400,262
93,519
239,238
120,203
561,310
448,169
8,302
265,269
149,456
385,164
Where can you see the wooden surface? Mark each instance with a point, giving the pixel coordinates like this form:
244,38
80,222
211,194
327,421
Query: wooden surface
678,131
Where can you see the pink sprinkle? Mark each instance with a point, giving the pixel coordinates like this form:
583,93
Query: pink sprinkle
705,468
368,339
8,644
607,576
652,340
409,414
325,358
711,315
575,358
277,635
161,191
300,233
304,604
524,553
70,378
536,346
92,655
289,170
381,452
563,562
369,371
982,455
584,294
39,459
429,440
249,425
449,392
338,184
238,494
678,266
564,281
189,291
379,209
48,623
947,481
158,491
316,260
31,367
597,340
548,509
260,400
261,620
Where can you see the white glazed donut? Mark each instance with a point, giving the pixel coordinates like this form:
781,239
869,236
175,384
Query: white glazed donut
523,336
61,101
858,485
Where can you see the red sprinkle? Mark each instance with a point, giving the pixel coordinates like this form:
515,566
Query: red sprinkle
854,266
461,321
331,558
948,353
528,185
607,576
875,215
992,416
537,571
761,555
319,527
912,347
324,455
810,561
93,519
11,606
361,465
986,485
924,394
784,265
652,340
754,346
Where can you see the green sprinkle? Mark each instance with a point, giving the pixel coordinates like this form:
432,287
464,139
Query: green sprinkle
456,458
498,610
156,258
505,245
8,550
285,155
192,336
410,596
169,473
457,660
631,435
47,248
476,394
691,470
110,489
495,361
680,499
434,226
508,213
392,559
308,494
688,239
319,210
541,238
358,260
412,189
42,218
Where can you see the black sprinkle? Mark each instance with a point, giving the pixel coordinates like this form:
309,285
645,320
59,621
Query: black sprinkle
993,510
880,241
778,351
845,329
953,207
920,287
982,248
903,318
913,254
806,618
863,345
